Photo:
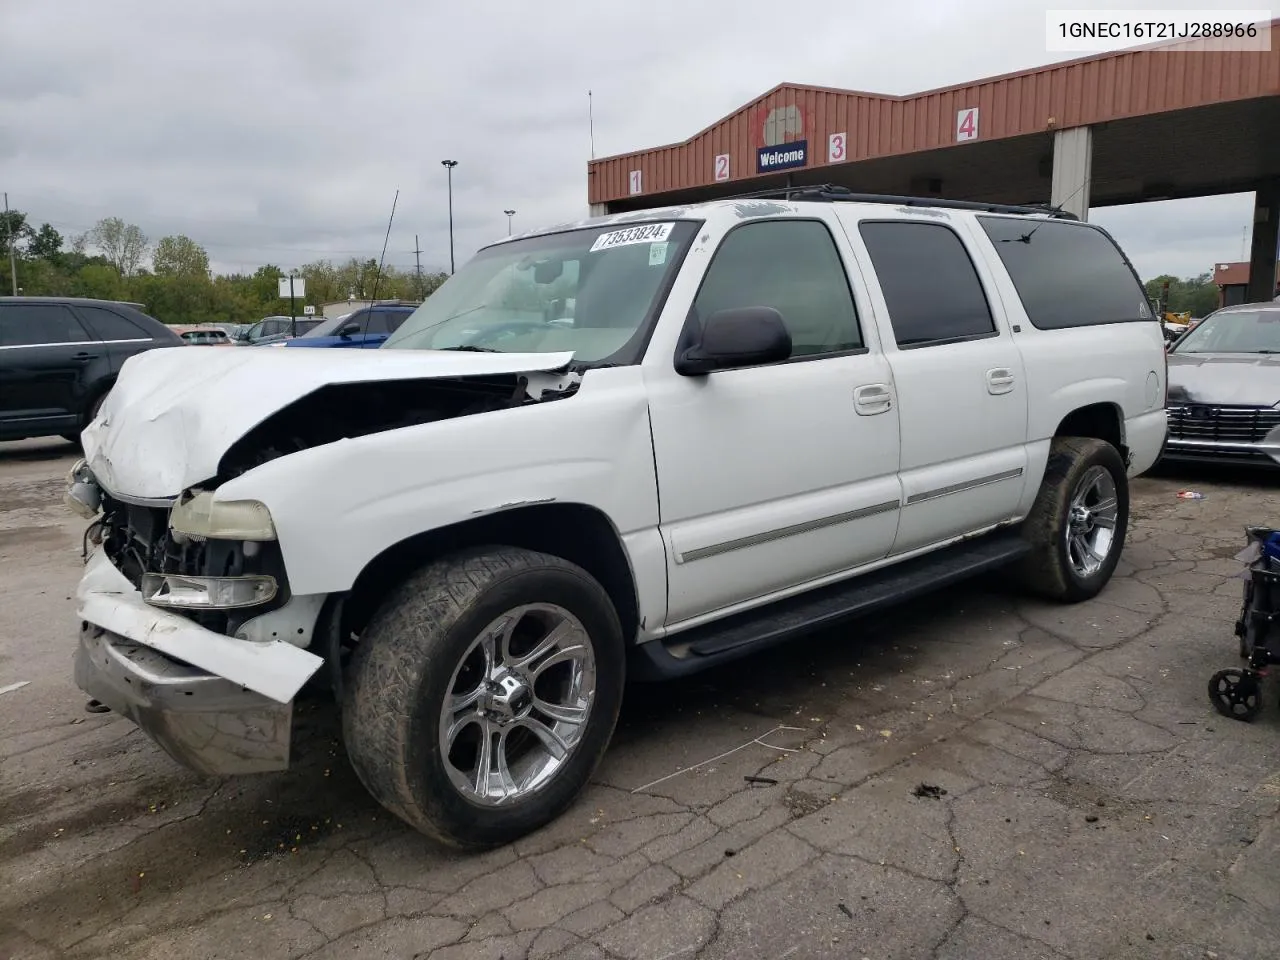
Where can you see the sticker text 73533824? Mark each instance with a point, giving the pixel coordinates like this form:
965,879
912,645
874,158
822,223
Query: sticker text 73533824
644,233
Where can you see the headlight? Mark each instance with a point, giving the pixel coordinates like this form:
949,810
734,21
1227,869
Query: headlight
82,495
202,516
206,593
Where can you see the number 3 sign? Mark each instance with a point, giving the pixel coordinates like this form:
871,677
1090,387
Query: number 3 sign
837,148
967,125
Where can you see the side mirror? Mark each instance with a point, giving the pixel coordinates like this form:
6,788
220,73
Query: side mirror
741,337
348,329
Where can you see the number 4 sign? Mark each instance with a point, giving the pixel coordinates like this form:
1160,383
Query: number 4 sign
635,181
967,125
837,148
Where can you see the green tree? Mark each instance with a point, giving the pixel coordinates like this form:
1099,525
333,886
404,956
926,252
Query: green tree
1198,295
265,288
14,225
124,244
45,243
180,257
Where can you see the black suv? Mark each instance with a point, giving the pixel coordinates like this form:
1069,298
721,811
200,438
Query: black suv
60,355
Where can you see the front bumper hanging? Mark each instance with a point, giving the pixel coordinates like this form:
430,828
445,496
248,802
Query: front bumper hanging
206,723
217,704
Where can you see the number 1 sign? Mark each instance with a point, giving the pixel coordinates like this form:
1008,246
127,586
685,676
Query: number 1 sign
635,181
967,124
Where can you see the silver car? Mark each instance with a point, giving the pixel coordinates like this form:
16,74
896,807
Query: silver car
1224,388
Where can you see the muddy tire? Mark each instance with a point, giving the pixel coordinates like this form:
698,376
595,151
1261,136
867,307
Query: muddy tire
504,647
1078,523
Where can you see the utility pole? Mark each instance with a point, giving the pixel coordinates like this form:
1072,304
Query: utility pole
417,259
449,165
13,257
510,214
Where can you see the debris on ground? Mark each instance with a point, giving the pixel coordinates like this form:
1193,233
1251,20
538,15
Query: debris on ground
928,791
767,781
1190,495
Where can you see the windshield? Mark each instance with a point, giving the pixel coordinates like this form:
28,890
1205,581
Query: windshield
1234,331
593,292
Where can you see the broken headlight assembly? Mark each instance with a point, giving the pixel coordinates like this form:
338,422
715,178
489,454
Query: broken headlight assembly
180,592
202,517
82,496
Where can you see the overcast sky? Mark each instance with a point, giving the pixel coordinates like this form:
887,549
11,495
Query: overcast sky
279,131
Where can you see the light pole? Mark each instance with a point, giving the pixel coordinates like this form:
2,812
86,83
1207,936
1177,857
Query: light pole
449,165
510,214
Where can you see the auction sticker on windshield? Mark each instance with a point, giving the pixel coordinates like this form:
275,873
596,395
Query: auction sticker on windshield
647,233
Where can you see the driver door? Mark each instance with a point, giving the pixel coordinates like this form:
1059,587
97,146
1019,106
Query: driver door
776,476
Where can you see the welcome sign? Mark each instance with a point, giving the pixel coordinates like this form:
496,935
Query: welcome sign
784,156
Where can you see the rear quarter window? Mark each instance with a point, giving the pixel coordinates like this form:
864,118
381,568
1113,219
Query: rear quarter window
1067,273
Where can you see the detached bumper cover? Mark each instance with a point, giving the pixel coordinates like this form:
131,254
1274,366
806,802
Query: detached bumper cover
216,704
206,723
276,669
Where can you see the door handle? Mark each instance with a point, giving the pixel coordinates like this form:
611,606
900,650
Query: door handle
84,357
999,380
872,399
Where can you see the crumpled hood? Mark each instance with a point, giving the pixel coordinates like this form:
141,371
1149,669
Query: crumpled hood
174,412
1247,379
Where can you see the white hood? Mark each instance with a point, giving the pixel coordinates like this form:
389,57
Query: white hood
174,412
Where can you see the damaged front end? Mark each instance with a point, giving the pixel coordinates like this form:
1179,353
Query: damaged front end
188,623
188,627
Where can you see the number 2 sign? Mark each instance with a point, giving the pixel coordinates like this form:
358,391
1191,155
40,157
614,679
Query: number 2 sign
837,148
722,166
635,181
967,124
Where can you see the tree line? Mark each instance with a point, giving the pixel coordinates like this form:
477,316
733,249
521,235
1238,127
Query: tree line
117,261
1195,295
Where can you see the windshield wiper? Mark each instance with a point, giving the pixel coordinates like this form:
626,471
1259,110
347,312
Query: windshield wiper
470,348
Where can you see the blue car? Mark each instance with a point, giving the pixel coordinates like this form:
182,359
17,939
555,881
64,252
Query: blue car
365,329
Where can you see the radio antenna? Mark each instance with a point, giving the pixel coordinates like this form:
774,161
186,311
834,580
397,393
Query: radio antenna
383,258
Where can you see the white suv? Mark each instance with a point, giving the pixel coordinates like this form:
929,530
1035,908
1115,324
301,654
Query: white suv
629,447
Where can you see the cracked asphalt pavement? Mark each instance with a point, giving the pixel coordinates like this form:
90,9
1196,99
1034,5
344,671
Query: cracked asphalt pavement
978,776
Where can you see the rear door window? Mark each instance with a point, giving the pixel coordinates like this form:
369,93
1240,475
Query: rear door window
382,321
1067,273
929,282
109,325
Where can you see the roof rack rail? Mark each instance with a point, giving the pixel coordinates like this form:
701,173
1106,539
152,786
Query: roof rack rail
831,193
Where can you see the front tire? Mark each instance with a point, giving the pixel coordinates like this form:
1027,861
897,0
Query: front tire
481,697
1078,523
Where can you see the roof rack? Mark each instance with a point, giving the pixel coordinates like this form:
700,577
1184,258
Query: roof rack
831,193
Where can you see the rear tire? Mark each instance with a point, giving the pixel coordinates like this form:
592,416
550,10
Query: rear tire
454,661
1078,523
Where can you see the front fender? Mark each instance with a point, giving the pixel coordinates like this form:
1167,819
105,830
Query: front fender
336,507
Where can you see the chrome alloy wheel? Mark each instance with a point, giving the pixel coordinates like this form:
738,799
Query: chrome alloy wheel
518,704
1091,521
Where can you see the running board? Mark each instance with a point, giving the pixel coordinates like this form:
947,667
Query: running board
742,634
